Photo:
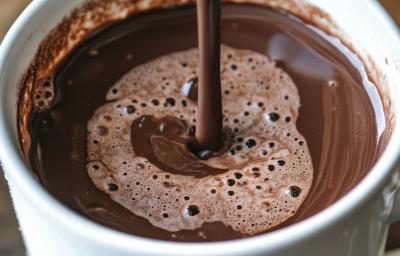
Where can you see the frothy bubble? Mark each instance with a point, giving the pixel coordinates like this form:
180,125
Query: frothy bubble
43,95
269,165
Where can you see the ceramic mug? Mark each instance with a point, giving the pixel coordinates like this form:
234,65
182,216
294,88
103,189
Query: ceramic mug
355,225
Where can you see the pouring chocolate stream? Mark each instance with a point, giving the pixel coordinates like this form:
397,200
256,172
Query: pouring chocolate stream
209,114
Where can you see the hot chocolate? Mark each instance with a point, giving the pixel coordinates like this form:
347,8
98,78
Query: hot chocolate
139,145
294,101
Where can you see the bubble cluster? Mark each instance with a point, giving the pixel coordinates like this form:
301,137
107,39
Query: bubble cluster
43,95
269,165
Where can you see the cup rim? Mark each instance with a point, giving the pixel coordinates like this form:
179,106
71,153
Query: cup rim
18,171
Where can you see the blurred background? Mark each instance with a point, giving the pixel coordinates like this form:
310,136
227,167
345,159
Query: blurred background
10,240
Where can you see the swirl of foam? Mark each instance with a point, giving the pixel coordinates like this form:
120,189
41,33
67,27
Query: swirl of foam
269,165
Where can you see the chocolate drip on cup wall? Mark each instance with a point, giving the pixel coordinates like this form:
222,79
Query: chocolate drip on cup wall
209,114
337,117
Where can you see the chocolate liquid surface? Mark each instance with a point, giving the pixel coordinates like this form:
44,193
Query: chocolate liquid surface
340,125
257,182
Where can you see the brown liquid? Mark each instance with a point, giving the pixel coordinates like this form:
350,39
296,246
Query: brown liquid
168,149
340,125
209,114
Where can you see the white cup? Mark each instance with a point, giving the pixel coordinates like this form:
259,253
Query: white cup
356,225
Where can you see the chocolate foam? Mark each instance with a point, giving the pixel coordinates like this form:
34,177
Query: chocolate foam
267,171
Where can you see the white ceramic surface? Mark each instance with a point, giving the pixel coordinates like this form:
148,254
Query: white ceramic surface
356,225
